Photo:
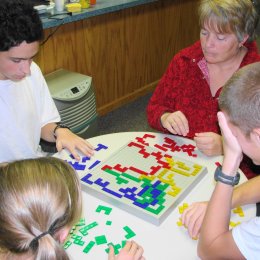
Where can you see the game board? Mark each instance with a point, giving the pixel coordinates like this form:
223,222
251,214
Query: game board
147,181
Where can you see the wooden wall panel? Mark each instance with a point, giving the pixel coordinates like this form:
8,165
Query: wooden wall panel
126,52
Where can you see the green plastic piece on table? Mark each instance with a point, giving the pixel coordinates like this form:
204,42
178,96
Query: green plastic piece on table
81,222
84,230
109,223
104,208
116,248
130,232
67,244
88,247
100,240
79,242
123,243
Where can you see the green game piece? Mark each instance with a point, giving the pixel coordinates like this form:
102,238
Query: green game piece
109,223
123,243
74,236
101,240
84,230
67,244
109,244
81,222
130,232
72,229
88,247
104,208
79,242
116,248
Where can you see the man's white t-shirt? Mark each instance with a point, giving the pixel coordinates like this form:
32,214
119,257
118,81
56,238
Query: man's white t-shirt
25,107
247,238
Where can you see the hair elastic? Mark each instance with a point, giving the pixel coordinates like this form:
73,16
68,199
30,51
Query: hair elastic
35,242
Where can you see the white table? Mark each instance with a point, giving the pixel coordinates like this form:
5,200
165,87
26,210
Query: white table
165,242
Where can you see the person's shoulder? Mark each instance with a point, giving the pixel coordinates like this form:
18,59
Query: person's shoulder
35,68
252,53
192,52
36,72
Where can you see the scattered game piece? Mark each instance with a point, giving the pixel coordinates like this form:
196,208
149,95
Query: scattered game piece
79,234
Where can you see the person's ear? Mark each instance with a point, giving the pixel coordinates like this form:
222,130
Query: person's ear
63,233
245,38
256,132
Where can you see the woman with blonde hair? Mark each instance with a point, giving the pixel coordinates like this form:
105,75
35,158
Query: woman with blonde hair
185,101
40,200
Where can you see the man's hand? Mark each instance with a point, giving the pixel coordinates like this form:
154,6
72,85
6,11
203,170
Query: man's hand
209,143
175,123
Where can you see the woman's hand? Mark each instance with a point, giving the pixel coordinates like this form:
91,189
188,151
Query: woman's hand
209,143
131,251
175,123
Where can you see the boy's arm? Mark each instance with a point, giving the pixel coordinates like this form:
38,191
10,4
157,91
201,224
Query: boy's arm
47,132
246,193
66,139
242,196
215,238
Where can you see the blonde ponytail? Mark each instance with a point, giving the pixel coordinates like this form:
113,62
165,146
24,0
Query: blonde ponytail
38,198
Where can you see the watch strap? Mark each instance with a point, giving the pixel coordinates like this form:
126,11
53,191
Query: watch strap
222,177
59,125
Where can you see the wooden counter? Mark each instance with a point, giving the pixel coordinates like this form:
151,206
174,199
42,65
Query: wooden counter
126,52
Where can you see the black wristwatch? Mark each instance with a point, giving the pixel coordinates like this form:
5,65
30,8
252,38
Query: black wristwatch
59,125
222,177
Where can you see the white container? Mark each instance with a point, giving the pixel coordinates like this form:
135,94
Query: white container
59,5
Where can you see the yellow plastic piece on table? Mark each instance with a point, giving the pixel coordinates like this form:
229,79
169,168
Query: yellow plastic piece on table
179,223
233,224
180,209
239,211
84,3
74,7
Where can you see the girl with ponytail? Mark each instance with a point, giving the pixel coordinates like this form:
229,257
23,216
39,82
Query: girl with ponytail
40,200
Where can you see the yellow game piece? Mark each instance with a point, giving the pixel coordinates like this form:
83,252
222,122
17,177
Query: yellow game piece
233,224
180,209
179,223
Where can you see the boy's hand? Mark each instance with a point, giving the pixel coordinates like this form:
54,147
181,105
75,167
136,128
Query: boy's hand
193,216
232,149
73,143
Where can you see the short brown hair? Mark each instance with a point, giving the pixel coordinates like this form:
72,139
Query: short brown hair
240,98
